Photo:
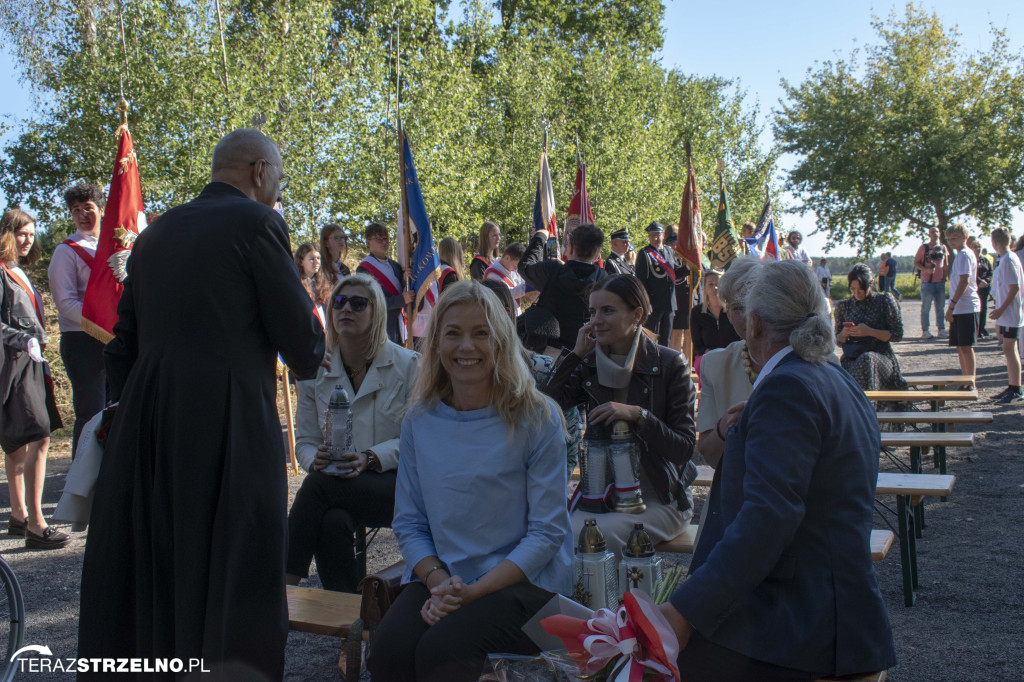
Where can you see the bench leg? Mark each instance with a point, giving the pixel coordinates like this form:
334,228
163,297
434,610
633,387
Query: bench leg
908,550
917,468
361,549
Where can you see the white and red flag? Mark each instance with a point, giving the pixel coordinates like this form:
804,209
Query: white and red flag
123,220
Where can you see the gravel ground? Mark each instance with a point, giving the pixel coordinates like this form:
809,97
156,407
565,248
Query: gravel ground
971,591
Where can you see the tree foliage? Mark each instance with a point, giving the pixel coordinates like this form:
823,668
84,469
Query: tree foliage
319,77
919,134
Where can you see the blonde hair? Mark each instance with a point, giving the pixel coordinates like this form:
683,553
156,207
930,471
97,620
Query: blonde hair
379,323
450,251
956,228
704,300
513,393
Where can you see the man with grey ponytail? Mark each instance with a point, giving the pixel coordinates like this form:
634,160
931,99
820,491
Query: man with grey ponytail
796,481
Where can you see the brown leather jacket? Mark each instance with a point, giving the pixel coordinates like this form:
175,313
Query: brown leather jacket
661,383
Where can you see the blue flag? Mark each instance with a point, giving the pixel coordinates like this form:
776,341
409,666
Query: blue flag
425,264
764,244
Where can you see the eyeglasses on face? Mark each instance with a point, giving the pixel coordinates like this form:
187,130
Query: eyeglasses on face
356,304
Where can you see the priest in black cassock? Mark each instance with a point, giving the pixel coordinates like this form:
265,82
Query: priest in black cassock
186,551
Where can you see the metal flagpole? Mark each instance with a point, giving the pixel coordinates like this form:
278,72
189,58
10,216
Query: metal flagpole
693,238
406,236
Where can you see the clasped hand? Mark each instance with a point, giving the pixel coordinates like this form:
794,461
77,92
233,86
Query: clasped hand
354,460
445,598
858,330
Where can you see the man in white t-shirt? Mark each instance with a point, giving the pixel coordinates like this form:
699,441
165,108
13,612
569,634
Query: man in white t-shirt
964,303
824,277
1008,290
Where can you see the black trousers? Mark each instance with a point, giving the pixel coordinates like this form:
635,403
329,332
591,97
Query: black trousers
705,660
660,322
406,649
983,314
323,521
82,356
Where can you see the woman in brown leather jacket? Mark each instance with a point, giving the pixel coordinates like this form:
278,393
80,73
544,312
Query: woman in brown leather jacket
620,374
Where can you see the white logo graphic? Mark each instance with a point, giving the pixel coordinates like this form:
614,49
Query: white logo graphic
44,650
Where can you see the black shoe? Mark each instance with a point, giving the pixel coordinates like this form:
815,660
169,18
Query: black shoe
999,395
50,539
16,528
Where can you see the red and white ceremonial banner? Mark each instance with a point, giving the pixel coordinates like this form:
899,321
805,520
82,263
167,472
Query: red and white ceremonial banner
579,206
123,220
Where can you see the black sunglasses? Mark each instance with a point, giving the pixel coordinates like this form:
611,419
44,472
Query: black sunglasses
356,303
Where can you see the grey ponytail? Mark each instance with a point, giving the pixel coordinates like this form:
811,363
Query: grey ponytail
790,302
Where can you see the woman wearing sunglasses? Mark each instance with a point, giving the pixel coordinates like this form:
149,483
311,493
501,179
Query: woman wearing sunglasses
378,376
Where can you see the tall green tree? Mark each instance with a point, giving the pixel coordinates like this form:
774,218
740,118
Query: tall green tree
918,134
320,77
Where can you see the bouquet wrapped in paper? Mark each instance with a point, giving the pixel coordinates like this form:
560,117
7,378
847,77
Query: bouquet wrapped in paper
631,644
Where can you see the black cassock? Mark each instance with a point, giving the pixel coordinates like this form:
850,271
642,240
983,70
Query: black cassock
185,556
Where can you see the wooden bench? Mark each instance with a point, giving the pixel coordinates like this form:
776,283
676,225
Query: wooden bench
941,419
917,441
909,490
935,398
335,614
881,542
940,381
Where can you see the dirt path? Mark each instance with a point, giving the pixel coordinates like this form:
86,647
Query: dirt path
965,626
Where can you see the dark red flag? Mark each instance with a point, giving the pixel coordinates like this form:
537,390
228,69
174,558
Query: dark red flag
123,220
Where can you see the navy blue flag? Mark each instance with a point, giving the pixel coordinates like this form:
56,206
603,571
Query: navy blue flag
425,263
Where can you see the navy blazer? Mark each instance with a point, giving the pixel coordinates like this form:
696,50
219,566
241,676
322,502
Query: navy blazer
783,567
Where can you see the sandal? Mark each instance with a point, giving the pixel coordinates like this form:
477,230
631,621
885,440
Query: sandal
17,528
50,539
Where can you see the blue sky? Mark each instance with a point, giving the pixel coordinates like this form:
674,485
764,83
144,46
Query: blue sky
756,43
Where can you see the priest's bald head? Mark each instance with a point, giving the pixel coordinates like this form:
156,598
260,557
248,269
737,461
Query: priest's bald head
250,161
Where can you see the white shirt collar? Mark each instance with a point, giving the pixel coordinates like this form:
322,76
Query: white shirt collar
771,364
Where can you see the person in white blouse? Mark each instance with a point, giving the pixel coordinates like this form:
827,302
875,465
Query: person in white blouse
69,270
378,376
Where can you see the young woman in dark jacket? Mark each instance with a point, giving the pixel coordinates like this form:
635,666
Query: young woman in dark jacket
29,412
621,375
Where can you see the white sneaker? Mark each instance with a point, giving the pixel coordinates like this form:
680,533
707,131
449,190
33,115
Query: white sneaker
927,335
943,333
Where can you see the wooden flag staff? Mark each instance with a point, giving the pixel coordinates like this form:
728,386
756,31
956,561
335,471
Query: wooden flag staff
289,419
406,236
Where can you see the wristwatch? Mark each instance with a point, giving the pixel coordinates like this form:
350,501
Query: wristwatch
372,461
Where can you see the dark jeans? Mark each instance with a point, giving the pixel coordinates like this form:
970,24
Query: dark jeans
705,660
453,650
82,356
660,322
983,314
323,521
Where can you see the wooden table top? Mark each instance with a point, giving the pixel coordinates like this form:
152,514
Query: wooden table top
928,439
940,380
939,485
934,417
919,396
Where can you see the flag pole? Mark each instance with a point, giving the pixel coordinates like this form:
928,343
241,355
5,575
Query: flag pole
693,277
410,308
289,419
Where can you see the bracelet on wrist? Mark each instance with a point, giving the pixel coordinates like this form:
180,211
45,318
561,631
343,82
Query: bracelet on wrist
433,568
718,430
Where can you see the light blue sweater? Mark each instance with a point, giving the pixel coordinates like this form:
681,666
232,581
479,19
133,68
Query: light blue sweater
473,496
